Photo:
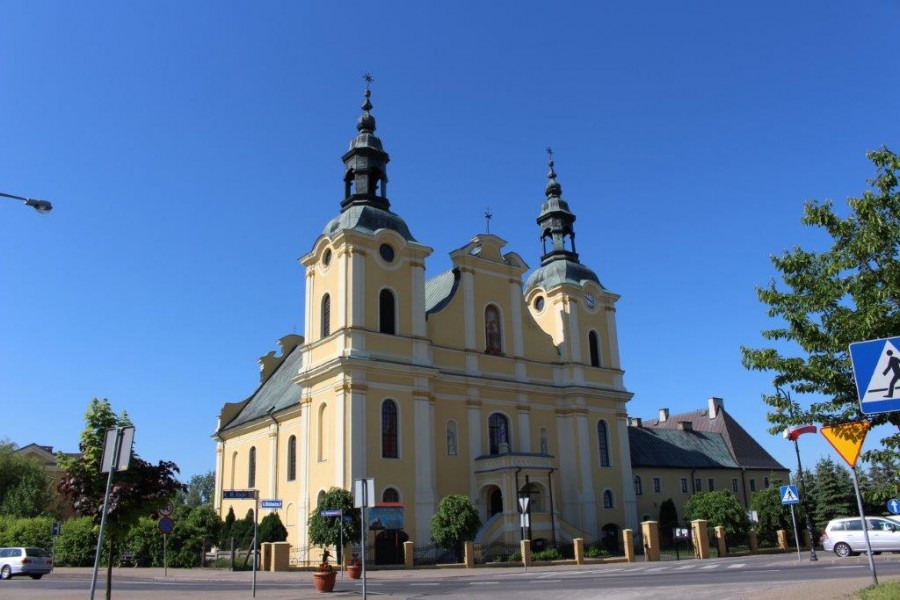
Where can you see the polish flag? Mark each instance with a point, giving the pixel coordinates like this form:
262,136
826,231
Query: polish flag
792,433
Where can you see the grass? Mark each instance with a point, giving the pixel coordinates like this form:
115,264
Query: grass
882,591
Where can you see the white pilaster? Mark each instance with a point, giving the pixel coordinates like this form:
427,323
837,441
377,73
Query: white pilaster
573,335
515,303
272,491
613,336
468,288
358,408
220,476
418,299
524,429
588,498
339,425
474,433
567,469
304,456
358,285
629,501
426,483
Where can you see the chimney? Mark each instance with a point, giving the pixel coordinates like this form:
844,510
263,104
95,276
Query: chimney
685,426
715,406
663,415
636,422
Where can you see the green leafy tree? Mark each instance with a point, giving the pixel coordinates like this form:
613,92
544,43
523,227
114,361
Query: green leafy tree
225,532
138,491
772,514
883,482
76,543
719,508
271,529
25,487
847,293
833,493
326,531
200,490
456,521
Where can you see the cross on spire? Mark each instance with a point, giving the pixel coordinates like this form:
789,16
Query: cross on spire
368,79
487,217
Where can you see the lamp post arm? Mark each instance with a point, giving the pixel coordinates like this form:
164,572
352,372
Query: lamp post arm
42,206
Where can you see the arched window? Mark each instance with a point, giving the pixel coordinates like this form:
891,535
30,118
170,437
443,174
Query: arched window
389,429
320,498
495,502
545,441
234,460
492,332
251,469
603,443
386,318
326,316
594,345
390,495
498,433
608,500
292,458
638,488
322,429
451,438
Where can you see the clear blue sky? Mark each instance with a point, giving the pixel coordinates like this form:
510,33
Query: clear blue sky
192,153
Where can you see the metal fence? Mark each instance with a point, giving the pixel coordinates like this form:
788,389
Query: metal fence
496,552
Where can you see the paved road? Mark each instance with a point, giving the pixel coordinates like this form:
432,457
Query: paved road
751,578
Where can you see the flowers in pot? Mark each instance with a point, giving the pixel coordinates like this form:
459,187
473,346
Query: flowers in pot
325,577
354,567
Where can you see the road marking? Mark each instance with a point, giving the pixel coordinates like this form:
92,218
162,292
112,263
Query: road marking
483,582
655,570
737,566
684,567
708,567
424,584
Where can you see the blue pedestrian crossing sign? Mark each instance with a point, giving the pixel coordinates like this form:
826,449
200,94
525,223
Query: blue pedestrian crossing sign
894,506
789,494
876,368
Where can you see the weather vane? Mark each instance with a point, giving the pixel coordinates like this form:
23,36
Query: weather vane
368,79
549,153
487,218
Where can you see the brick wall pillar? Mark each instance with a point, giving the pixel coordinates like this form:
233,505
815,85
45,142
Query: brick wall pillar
700,535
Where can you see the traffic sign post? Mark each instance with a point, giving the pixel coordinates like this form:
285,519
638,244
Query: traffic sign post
790,497
248,495
876,369
363,494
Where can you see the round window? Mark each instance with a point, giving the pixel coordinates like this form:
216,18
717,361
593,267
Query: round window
539,303
326,258
387,252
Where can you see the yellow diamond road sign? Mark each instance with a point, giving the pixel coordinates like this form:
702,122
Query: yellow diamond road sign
847,439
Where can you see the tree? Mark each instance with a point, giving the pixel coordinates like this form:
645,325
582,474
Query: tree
326,531
847,293
720,508
882,482
25,489
227,528
138,491
200,490
668,518
772,514
271,529
456,521
833,493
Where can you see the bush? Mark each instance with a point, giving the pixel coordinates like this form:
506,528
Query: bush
596,552
76,544
548,554
34,531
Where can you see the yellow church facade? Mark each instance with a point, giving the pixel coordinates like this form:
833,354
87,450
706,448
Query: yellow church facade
477,381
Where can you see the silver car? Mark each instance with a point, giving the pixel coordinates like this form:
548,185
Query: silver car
34,562
846,536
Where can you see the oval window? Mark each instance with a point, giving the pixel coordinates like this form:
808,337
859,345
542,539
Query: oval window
387,252
326,258
539,303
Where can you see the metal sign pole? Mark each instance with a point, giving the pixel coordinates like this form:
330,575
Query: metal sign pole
255,520
362,534
865,525
112,470
796,537
165,556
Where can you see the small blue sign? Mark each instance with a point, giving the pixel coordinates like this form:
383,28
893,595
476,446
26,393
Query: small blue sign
331,512
789,494
894,506
239,494
271,503
876,369
165,525
55,530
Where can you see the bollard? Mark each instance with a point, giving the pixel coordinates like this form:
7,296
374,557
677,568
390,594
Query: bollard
579,551
720,539
700,534
628,543
783,540
650,533
525,547
409,554
754,543
469,548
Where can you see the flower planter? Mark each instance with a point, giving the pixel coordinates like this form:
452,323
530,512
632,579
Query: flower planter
324,581
354,571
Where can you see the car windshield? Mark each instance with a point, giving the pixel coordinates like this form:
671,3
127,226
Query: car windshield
36,552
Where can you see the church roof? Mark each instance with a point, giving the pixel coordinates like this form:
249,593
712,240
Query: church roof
439,290
368,219
275,394
747,452
558,272
674,448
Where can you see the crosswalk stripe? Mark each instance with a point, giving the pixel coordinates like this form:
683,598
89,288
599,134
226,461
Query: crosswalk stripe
737,566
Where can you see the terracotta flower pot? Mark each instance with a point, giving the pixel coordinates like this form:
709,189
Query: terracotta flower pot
354,571
324,581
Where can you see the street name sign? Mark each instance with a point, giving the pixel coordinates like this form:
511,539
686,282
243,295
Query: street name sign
876,369
789,494
271,503
330,512
238,494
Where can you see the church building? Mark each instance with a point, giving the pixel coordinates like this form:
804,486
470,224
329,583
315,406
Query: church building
476,381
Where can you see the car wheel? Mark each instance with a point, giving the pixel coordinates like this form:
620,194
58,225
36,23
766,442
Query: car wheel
842,550
36,575
5,572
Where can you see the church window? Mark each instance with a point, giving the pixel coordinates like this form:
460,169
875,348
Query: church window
492,333
594,346
545,441
390,495
608,501
234,460
684,485
389,429
638,487
712,484
698,485
251,469
657,485
386,312
734,485
451,438
326,315
495,502
292,458
603,442
498,433
387,252
752,485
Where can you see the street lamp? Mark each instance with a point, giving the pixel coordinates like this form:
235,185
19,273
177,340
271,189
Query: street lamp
793,435
42,206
